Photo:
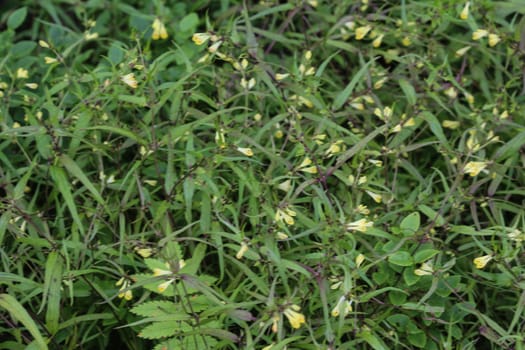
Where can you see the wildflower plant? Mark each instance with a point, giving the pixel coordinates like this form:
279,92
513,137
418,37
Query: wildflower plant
262,175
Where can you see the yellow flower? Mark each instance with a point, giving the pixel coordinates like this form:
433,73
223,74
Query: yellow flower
464,13
285,215
248,84
377,163
451,92
144,252
359,260
482,261
213,48
268,347
161,288
246,151
383,114
295,318
406,41
129,79
360,225
379,84
16,125
124,292
151,183
469,98
308,55
32,85
244,248
361,32
334,148
318,139
479,33
358,105
257,117
200,38
462,51
50,60
494,39
450,124
516,235
474,168
377,41
285,186
22,73
280,76
159,30
43,44
281,236
376,197
424,270
362,209
220,139
90,36
310,71
342,305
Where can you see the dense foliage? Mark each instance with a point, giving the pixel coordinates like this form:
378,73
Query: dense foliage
262,174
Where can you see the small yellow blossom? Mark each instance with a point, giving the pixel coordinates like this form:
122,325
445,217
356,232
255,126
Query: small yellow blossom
16,125
248,85
242,250
464,13
280,76
360,225
313,3
268,347
384,113
450,124
246,151
129,79
376,197
462,51
504,114
451,92
358,105
469,98
90,36
343,305
474,168
318,139
281,236
361,32
124,292
479,33
22,73
144,252
200,38
362,209
350,25
302,69
159,30
32,85
285,215
482,261
494,39
43,44
334,148
406,41
309,169
220,139
516,235
424,270
204,58
359,260
310,71
275,323
257,117
161,288
285,186
151,182
377,163
213,48
308,55
377,41
278,134
379,84
295,318
50,60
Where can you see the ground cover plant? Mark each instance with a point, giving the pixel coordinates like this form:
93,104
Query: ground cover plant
262,174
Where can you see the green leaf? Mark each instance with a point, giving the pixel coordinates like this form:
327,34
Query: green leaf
156,308
343,96
374,342
138,100
22,48
435,127
159,330
18,312
75,170
16,19
418,339
432,215
424,255
401,258
116,53
410,224
189,23
409,91
62,183
52,285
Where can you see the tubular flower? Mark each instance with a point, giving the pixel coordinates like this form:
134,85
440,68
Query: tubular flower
144,252
50,60
305,166
244,248
246,151
464,13
376,197
479,33
159,30
124,292
359,259
129,79
285,215
462,51
361,32
474,168
450,124
200,38
280,76
360,225
22,73
482,261
377,41
494,39
424,270
295,318
343,305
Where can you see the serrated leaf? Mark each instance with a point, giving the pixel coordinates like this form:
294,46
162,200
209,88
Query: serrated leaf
159,330
16,19
156,308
